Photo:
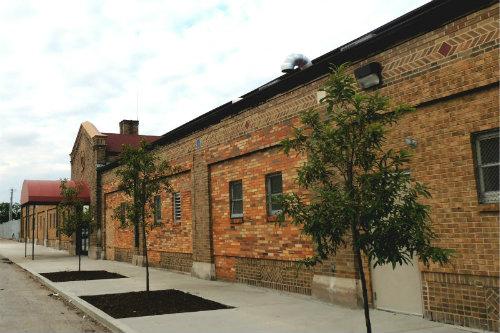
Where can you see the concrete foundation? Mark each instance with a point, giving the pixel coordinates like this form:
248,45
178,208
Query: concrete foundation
203,270
138,260
343,291
95,252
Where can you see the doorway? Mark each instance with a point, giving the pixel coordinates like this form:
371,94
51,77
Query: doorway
82,241
398,289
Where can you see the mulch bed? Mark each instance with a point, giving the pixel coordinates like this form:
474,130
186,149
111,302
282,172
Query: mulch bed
80,275
157,302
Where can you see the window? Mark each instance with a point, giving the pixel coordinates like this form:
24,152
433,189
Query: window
123,212
486,146
236,198
274,189
157,210
177,206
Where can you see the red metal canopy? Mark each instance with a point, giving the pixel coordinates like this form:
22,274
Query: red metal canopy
49,191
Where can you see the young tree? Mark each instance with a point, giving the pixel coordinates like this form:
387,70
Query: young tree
76,215
141,177
361,193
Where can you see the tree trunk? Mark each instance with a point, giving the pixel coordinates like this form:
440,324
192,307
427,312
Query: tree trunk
79,260
357,254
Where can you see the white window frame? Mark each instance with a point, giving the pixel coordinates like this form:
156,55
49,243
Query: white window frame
232,199
269,195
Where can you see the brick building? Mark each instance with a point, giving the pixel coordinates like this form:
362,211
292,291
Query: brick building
90,150
441,58
40,218
93,149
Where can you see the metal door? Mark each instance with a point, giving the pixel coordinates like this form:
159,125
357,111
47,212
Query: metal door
399,289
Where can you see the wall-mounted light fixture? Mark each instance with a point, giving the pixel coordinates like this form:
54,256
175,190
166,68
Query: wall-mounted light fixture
411,142
369,75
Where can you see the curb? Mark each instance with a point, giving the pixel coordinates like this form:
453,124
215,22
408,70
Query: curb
101,317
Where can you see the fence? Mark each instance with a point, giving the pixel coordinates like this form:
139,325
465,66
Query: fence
10,229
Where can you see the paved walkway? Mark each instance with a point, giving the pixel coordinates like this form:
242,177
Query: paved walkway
25,306
256,309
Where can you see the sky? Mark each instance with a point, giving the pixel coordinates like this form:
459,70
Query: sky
162,62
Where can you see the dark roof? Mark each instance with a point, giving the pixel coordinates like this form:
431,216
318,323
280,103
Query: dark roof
410,25
49,191
115,141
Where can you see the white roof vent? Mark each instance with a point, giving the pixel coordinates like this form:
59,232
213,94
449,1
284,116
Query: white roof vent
295,61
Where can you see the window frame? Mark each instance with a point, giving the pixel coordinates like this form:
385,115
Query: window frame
483,196
174,207
157,210
269,195
231,199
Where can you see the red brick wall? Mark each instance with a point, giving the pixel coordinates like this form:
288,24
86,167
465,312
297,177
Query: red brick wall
168,237
417,72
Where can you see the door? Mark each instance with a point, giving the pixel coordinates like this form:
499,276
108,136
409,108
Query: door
399,289
82,241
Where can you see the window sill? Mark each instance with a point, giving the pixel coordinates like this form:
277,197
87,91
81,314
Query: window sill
236,220
489,207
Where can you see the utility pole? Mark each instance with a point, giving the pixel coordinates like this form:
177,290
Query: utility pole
10,205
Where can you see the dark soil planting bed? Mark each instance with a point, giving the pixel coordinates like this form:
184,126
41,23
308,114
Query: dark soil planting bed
80,276
156,302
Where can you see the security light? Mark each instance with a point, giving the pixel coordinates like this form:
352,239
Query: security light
369,75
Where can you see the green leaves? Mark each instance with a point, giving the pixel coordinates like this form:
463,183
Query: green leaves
360,190
141,176
76,215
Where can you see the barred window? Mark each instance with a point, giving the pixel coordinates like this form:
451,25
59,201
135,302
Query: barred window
157,210
274,189
177,206
486,147
236,198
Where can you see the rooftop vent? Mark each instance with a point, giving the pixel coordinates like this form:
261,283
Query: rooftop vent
295,61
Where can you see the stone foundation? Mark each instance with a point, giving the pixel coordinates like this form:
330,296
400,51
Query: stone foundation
203,270
338,290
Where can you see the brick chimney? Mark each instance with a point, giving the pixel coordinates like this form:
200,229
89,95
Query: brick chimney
129,127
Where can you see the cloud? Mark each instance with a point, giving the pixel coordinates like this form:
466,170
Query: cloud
64,62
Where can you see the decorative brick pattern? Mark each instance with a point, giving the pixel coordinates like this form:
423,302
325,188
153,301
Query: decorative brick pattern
465,300
275,274
176,261
123,254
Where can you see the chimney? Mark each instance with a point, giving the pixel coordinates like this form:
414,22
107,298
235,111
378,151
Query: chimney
129,127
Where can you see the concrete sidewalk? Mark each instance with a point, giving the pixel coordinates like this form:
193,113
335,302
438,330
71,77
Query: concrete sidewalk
256,309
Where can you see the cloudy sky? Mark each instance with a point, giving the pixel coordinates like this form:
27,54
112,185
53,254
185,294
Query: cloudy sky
64,62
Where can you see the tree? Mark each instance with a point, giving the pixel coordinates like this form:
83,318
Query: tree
141,177
76,215
361,193
4,211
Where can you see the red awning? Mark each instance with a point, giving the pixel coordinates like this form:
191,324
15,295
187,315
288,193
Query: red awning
49,191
